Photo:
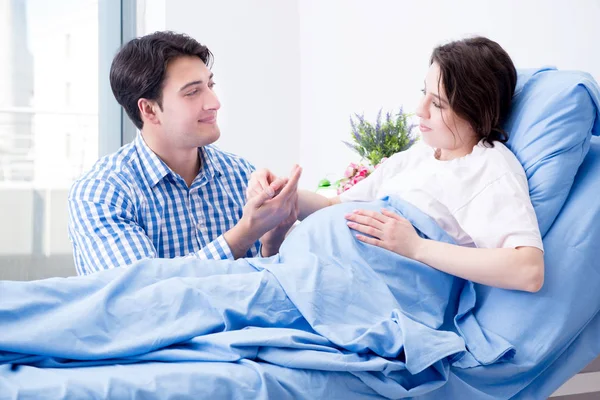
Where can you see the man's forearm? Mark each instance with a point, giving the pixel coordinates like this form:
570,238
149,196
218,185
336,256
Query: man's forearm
240,238
309,202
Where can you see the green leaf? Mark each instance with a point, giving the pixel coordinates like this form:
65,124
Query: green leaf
383,138
323,183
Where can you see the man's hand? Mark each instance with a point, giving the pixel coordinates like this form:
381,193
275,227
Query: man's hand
274,205
269,208
264,180
272,240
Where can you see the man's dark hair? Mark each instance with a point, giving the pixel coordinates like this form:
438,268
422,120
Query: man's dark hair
479,78
138,70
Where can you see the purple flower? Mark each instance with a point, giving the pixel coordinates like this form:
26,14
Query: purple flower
354,130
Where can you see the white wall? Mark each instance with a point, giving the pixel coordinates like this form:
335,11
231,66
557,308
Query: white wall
257,71
317,62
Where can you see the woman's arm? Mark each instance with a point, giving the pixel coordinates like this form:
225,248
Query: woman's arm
518,269
309,202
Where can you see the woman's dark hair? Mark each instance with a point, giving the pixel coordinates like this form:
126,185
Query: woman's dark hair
138,70
479,79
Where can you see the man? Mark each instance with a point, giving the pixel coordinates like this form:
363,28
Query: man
170,193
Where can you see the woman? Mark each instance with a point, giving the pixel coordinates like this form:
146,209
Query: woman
460,173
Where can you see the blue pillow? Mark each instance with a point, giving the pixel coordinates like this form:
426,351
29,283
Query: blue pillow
553,116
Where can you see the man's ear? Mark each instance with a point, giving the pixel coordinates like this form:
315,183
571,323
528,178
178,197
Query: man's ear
148,111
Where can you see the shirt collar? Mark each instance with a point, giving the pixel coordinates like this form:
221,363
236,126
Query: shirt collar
154,168
210,164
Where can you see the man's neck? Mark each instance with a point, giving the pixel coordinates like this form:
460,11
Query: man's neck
183,161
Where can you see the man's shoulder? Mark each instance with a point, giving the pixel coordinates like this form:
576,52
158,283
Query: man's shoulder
116,171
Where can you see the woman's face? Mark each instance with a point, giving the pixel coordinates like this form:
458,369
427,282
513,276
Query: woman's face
440,127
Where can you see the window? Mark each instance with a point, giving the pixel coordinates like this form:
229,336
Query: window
55,91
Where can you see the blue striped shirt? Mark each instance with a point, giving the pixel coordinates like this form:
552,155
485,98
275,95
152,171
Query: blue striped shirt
131,206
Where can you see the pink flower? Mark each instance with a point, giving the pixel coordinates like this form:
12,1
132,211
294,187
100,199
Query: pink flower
354,173
357,179
350,170
362,171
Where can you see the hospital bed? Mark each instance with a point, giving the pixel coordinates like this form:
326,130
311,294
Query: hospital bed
537,342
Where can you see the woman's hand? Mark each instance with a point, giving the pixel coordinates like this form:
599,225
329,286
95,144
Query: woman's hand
520,268
388,230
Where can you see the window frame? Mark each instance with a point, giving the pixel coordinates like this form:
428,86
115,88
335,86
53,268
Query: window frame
114,126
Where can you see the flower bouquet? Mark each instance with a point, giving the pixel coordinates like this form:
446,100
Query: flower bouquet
375,143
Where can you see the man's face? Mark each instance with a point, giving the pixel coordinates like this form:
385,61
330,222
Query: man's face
189,104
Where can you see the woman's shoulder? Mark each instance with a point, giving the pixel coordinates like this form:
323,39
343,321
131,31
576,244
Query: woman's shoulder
419,150
415,152
500,158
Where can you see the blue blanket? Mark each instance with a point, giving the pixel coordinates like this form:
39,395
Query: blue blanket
327,302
